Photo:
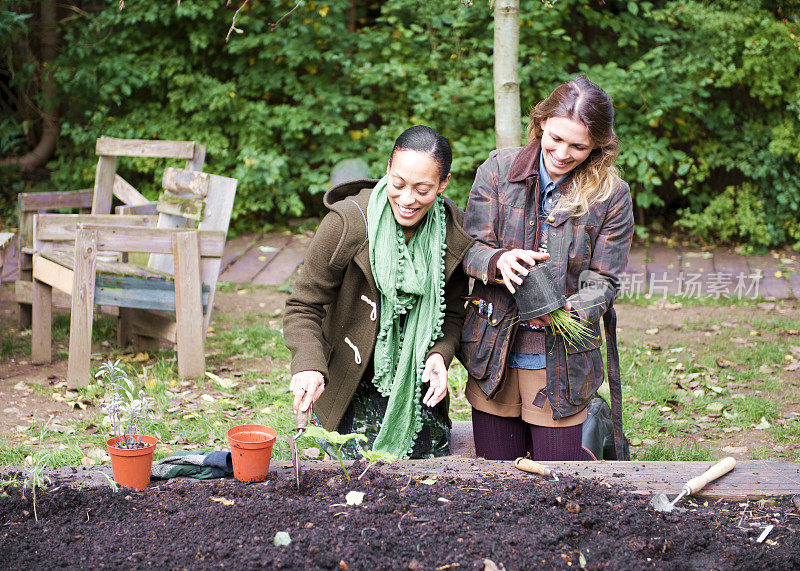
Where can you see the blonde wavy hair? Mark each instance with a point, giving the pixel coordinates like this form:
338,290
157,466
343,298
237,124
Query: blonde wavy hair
595,178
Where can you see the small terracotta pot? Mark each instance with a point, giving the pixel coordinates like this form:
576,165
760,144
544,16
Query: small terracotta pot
131,466
251,450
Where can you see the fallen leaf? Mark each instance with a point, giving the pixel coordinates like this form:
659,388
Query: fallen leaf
86,461
310,452
635,441
223,501
354,498
21,386
723,363
428,481
652,331
267,249
282,539
715,406
763,425
443,500
793,331
207,398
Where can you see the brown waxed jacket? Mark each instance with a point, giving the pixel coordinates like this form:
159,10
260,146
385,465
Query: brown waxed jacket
331,319
587,256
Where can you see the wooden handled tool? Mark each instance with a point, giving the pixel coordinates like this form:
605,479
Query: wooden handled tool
301,423
660,501
528,465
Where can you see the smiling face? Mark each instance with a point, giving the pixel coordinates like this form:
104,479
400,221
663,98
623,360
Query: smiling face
565,144
412,187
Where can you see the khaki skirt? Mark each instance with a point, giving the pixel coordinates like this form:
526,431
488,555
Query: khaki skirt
516,399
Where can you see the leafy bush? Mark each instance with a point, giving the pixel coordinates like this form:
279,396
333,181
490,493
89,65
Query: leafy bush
706,95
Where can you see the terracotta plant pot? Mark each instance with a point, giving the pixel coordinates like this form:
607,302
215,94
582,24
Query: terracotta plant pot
251,450
131,466
538,295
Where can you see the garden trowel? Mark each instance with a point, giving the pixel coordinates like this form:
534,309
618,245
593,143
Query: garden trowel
661,503
302,422
528,465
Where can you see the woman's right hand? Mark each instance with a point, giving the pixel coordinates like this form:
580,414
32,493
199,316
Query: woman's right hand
307,387
509,264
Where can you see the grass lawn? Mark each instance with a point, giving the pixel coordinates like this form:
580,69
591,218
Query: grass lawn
701,379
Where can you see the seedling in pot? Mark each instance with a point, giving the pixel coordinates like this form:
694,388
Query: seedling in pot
336,440
127,411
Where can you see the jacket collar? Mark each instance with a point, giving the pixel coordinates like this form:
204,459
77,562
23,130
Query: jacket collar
526,162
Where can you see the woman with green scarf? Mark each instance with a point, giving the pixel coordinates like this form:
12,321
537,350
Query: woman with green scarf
375,315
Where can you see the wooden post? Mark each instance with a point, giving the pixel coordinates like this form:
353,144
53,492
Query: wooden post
80,324
104,184
196,162
189,304
42,322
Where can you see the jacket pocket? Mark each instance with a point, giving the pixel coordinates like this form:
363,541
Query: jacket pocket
584,369
481,340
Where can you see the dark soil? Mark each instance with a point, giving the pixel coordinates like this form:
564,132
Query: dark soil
403,523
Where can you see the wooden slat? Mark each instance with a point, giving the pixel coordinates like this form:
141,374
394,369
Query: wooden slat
191,334
126,193
199,158
80,325
186,207
23,293
283,265
57,275
186,181
104,185
145,148
140,292
38,201
249,265
149,208
42,326
153,240
51,227
234,248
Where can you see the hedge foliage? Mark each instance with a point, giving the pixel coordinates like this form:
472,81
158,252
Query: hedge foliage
707,95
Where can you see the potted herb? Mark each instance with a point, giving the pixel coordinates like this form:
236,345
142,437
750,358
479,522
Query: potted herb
130,449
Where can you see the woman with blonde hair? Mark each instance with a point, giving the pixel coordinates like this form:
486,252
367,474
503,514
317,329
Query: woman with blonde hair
558,200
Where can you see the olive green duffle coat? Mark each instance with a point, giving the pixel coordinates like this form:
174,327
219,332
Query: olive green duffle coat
331,319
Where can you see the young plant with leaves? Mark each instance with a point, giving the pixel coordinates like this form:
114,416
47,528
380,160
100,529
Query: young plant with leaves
127,411
375,456
336,440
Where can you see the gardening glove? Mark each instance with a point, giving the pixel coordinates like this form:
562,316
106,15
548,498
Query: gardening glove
509,264
307,387
435,373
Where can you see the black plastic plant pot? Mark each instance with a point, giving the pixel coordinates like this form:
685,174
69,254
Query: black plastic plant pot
538,295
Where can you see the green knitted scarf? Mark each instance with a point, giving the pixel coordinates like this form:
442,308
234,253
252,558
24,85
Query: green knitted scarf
410,278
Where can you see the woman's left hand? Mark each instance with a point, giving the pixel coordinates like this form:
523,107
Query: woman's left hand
544,320
435,373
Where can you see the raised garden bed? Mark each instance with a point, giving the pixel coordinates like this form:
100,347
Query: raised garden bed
406,521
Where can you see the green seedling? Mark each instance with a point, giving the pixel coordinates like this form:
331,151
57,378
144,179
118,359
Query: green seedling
375,456
126,410
336,440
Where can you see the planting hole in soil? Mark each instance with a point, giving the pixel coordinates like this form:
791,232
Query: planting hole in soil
402,522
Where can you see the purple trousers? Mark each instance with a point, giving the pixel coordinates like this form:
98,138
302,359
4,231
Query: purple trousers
501,438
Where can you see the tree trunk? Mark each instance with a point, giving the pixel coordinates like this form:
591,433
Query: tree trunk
49,111
507,113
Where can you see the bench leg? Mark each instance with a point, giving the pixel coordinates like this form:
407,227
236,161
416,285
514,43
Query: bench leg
81,313
41,322
189,305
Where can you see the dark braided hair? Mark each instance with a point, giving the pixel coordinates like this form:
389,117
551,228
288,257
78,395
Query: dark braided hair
426,140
